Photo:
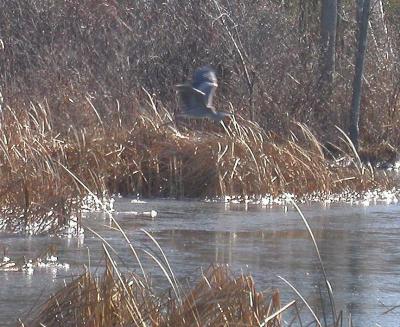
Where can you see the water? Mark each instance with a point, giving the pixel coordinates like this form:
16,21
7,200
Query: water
360,247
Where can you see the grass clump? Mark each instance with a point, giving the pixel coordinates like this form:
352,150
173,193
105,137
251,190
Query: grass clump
217,299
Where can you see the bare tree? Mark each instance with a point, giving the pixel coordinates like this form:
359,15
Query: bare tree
379,32
328,41
363,7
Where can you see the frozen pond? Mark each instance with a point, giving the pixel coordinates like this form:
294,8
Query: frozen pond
360,247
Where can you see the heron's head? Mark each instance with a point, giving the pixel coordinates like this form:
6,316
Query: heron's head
204,74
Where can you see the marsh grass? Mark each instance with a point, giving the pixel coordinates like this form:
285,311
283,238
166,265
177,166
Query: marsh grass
217,298
154,155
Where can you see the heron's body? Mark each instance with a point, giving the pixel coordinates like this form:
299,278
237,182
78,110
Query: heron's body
196,97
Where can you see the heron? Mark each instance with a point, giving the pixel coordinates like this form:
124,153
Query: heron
197,96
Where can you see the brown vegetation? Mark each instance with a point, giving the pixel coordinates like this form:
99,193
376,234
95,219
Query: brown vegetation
266,56
217,299
42,169
74,76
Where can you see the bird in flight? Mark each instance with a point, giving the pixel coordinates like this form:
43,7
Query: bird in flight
197,96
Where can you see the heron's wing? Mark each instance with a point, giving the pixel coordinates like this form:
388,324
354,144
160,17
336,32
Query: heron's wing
208,89
192,99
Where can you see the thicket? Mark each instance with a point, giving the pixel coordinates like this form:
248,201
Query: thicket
70,53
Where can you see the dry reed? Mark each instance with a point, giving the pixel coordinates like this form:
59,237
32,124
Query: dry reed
217,299
155,156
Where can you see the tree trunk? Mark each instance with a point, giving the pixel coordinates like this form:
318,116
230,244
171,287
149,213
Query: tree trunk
308,20
379,32
340,26
363,16
328,41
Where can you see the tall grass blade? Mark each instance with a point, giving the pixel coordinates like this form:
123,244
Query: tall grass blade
327,283
303,299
